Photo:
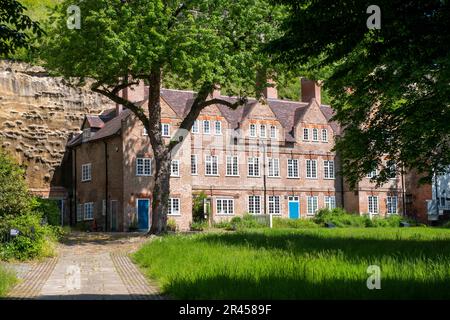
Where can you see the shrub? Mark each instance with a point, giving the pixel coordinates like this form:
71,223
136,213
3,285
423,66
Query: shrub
199,226
198,214
171,225
294,223
35,239
390,221
48,208
340,218
14,196
223,225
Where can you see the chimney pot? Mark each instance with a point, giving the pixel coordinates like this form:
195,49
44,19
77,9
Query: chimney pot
216,91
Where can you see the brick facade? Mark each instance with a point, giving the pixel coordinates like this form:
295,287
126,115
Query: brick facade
121,137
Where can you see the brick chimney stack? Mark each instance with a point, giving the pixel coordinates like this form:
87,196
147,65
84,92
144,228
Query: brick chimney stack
270,91
310,89
133,94
216,91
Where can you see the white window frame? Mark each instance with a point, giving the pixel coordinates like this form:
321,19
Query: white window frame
263,131
305,134
174,173
274,205
315,134
86,172
390,205
223,206
194,165
324,135
253,162
373,205
328,170
144,167
273,167
273,132
195,127
170,207
294,169
309,173
208,126
252,130
252,203
233,165
88,209
330,202
214,165
165,126
312,205
218,132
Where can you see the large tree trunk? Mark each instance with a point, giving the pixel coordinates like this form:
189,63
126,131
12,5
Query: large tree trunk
161,154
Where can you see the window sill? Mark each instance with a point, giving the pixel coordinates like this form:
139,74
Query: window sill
144,175
274,177
253,176
329,178
232,175
212,175
174,176
292,177
174,215
312,178
86,180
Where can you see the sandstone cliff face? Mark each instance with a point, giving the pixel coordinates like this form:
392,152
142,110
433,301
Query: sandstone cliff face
37,115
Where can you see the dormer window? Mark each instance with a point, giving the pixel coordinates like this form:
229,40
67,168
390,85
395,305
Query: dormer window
165,130
218,128
86,133
262,131
315,135
306,134
324,135
273,132
252,130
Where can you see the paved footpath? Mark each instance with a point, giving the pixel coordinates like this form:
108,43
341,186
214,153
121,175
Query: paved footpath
89,266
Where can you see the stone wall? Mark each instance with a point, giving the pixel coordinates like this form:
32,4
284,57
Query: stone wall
38,113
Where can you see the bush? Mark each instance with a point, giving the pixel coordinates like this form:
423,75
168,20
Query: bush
340,218
198,214
48,209
14,196
199,226
171,225
35,239
294,223
391,221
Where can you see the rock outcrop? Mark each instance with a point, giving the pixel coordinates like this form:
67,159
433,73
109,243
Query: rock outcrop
38,114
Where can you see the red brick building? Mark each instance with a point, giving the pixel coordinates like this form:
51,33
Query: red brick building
268,156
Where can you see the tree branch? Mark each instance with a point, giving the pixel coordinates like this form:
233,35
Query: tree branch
138,111
180,8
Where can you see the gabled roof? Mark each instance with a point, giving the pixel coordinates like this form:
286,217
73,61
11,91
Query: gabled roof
109,128
288,113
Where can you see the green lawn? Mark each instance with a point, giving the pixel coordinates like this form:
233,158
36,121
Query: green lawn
7,279
301,264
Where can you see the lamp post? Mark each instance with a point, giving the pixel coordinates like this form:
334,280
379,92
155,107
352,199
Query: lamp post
265,185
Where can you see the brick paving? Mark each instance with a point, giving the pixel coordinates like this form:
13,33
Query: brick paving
89,266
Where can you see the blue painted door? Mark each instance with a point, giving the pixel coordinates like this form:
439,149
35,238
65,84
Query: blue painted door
143,210
294,208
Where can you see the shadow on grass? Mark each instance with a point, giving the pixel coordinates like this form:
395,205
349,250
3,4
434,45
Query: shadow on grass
223,287
298,243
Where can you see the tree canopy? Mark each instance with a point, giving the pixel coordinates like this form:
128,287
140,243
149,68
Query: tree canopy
390,87
16,28
202,42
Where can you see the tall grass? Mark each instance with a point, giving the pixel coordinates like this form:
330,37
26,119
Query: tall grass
301,264
7,279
